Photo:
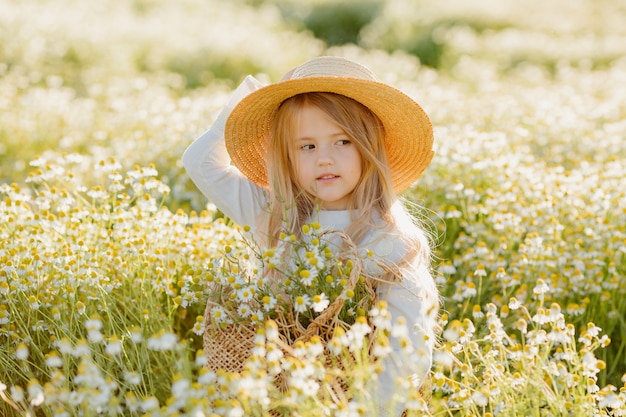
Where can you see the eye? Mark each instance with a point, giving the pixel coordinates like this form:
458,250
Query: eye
307,147
343,142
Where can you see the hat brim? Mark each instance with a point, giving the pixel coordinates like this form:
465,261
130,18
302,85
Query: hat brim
409,133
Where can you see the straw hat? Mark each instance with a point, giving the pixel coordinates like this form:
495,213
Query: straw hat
409,134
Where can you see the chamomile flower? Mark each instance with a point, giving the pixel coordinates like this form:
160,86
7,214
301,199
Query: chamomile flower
320,302
315,346
198,327
244,310
64,345
162,341
53,360
148,404
81,349
17,393
132,377
357,333
93,327
307,276
34,302
114,346
301,303
135,334
382,347
541,287
269,302
514,304
220,315
245,294
22,351
315,259
257,316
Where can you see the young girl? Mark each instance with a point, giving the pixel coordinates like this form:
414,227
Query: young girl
330,144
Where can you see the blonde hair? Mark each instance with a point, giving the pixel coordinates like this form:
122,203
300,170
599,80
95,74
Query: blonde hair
373,204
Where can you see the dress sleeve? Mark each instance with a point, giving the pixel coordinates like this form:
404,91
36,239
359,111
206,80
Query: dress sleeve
416,300
208,164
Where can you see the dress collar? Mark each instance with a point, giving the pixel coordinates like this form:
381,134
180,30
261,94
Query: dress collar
332,219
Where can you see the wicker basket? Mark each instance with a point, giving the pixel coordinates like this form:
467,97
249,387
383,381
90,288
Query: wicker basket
227,347
230,346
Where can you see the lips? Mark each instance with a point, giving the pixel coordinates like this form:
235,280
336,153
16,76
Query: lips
327,177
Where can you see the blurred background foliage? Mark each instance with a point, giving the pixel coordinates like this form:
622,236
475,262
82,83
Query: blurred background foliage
43,36
76,75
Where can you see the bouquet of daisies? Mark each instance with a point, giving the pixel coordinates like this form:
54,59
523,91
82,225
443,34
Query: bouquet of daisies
309,286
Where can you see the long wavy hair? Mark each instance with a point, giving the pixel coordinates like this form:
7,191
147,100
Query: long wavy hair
373,204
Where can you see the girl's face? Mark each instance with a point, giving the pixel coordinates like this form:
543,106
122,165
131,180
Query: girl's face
326,162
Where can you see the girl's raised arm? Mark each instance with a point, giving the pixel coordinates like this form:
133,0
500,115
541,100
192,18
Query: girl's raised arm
208,164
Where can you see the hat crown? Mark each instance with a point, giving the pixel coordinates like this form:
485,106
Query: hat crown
332,66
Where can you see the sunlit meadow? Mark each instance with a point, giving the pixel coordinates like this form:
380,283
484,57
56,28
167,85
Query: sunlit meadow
107,248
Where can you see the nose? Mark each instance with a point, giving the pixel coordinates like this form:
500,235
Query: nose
325,156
